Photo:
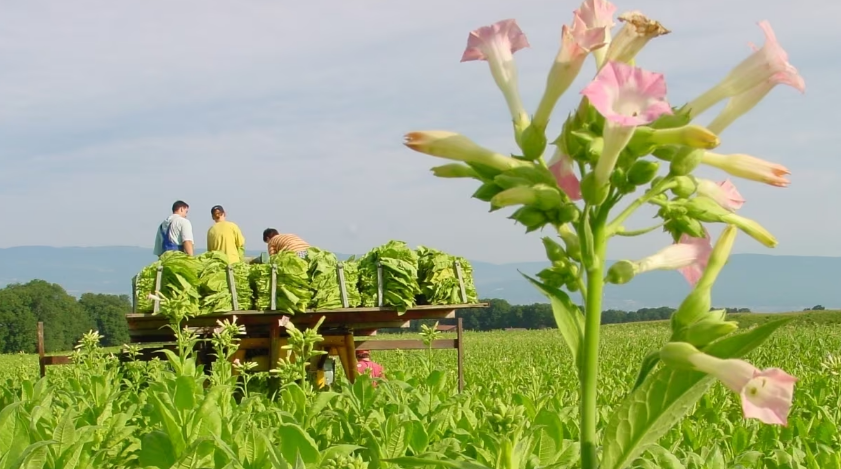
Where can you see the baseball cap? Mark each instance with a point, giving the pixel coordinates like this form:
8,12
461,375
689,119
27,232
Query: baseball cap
215,208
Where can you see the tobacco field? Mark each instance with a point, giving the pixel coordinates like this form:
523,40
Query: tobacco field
519,409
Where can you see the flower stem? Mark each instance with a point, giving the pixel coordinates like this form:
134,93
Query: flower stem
664,185
590,365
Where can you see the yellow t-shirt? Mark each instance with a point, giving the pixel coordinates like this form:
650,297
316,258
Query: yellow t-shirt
226,237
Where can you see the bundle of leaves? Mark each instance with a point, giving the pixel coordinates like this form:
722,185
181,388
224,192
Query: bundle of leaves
145,285
177,264
351,271
438,278
214,288
324,279
400,272
293,288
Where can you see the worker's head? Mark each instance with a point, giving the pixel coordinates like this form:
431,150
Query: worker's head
268,234
363,354
218,213
180,208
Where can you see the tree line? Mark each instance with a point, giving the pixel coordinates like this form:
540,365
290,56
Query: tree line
66,318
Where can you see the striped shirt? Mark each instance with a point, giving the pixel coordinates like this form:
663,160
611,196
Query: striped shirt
287,242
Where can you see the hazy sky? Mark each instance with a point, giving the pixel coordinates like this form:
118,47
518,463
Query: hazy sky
291,115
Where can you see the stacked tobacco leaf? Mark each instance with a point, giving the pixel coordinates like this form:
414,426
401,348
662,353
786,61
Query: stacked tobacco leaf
213,284
438,278
293,288
176,265
400,276
351,271
324,279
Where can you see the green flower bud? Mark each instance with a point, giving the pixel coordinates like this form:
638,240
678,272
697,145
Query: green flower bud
568,213
692,136
617,178
705,209
573,244
508,182
684,186
666,153
621,272
594,150
554,252
530,217
592,194
487,191
554,277
752,229
541,196
676,355
455,170
695,305
709,329
533,142
685,161
643,172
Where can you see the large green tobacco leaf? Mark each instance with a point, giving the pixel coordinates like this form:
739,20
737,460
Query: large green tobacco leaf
294,442
648,412
567,316
434,459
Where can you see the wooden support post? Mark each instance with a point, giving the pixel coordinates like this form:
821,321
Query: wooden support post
340,271
460,348
350,348
157,303
273,288
380,288
274,354
41,363
134,294
232,287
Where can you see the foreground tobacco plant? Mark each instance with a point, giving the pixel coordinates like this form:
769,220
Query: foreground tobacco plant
603,155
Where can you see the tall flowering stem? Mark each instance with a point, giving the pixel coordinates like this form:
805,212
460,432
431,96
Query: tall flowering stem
616,146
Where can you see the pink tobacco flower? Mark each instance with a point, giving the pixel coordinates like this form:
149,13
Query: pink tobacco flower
689,257
724,193
634,35
766,394
561,166
496,45
576,43
627,97
742,103
748,167
595,17
769,61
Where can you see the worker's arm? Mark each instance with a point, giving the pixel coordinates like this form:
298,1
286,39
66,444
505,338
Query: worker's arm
187,236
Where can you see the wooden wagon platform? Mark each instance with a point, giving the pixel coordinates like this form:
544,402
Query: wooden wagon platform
265,334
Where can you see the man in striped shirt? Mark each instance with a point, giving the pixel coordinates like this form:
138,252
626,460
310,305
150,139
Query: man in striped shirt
284,242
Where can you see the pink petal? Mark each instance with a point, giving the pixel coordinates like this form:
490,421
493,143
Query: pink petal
586,38
596,13
505,33
734,197
768,396
628,96
693,272
564,172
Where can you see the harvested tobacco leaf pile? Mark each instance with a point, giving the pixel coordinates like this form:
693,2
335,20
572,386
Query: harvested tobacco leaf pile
213,284
400,272
438,278
293,288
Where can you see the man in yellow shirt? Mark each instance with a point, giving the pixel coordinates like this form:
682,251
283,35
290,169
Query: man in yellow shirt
225,236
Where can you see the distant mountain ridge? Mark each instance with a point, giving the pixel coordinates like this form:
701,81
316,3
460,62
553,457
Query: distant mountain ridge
759,282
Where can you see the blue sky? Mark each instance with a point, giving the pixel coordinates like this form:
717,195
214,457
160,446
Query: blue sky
291,115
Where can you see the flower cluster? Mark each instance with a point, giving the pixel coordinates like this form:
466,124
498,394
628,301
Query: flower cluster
613,144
